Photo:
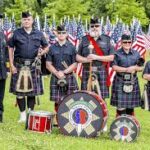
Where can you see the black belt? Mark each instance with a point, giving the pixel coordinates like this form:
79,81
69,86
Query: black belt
122,74
24,61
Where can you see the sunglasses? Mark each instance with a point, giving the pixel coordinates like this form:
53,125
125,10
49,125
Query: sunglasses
126,42
61,32
96,26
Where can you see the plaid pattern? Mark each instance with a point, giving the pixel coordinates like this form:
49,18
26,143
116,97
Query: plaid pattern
102,76
148,94
56,93
37,83
121,99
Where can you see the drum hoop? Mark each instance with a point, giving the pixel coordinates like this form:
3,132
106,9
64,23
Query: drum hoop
41,113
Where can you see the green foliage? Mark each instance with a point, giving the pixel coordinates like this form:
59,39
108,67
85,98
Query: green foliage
126,10
16,9
63,8
60,8
98,8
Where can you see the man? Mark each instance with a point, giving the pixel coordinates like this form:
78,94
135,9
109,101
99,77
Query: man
61,61
25,46
125,89
97,49
95,52
3,70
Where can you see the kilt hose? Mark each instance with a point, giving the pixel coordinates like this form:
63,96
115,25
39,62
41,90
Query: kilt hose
120,99
102,80
36,78
57,93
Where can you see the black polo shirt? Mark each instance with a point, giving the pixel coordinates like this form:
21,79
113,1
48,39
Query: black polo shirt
27,45
57,54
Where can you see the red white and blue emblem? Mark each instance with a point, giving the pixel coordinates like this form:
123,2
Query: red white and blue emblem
124,128
80,114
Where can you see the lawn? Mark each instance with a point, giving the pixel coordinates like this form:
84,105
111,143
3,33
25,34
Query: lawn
13,136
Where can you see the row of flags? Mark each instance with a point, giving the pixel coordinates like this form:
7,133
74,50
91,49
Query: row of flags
77,29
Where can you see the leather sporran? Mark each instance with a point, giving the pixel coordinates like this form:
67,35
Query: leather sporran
24,82
128,88
62,82
128,85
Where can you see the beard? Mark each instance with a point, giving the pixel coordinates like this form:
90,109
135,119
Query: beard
94,33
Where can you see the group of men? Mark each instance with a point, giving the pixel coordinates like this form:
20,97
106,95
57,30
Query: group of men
95,52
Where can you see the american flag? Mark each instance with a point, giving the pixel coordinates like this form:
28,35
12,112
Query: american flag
37,25
116,35
7,27
72,31
147,39
139,43
80,34
108,27
13,25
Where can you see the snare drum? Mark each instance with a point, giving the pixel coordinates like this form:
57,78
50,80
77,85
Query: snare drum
40,121
82,114
125,128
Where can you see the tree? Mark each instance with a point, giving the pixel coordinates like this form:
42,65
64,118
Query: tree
126,10
63,8
16,9
98,8
146,5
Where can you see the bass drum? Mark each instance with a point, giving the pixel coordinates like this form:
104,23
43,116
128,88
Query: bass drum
82,114
125,128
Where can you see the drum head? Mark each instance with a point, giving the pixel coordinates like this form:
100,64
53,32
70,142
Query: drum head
41,113
80,114
124,128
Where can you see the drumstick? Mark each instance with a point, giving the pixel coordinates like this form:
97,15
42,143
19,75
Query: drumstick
89,85
66,66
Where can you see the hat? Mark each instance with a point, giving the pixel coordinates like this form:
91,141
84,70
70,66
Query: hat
1,16
94,21
126,37
61,28
26,14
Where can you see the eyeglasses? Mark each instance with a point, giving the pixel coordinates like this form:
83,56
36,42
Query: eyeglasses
96,26
61,32
126,42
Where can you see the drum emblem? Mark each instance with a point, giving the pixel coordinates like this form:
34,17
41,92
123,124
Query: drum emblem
124,128
80,114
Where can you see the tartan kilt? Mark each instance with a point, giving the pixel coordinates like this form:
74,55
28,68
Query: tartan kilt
37,82
56,94
120,99
102,80
148,94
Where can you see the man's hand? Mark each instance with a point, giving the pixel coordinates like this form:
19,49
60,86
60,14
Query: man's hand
92,57
60,74
13,69
131,69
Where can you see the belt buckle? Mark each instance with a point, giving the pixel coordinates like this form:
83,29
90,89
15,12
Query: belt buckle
94,69
27,63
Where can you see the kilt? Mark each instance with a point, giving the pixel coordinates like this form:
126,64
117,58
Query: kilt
148,94
102,80
37,82
120,99
56,94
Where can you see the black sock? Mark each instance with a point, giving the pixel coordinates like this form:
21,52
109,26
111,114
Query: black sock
129,111
31,102
21,103
121,112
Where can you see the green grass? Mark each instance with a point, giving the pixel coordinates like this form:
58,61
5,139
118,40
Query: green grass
13,136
